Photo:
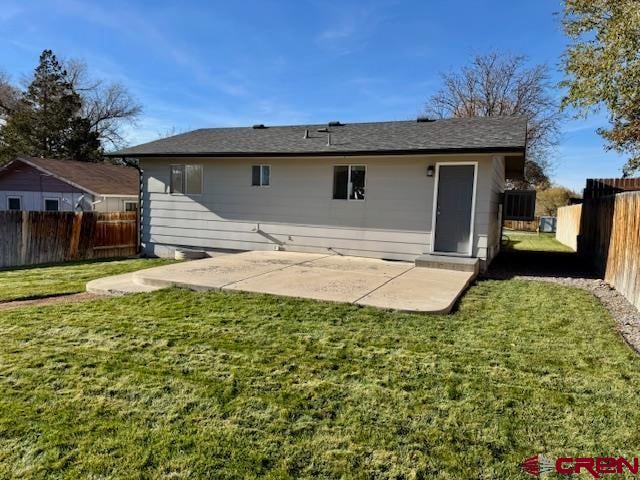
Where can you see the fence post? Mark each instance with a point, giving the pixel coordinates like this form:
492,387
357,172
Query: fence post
24,238
75,235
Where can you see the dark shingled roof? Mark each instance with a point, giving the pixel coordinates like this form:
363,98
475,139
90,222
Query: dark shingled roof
456,134
95,178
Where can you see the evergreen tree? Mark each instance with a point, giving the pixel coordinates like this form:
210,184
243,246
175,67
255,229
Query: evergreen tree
47,120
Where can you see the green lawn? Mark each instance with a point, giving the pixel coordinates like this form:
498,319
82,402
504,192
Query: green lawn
543,242
177,384
37,282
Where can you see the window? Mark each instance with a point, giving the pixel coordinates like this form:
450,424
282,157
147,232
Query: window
260,175
349,182
14,203
186,179
177,179
51,205
130,206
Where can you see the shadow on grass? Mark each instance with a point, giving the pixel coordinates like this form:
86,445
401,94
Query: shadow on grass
69,263
40,296
512,263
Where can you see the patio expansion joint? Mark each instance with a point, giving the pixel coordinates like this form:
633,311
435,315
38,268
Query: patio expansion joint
383,284
222,287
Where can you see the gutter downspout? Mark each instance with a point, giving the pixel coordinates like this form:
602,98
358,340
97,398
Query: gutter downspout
140,202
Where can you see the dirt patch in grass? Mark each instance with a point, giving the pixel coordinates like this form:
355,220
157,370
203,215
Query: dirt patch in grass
43,302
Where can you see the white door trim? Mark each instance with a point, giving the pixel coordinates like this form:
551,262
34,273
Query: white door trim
435,208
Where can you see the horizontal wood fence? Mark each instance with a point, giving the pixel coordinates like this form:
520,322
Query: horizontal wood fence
522,225
32,238
610,239
568,225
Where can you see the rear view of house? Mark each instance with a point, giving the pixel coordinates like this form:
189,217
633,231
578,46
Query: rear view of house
39,184
393,190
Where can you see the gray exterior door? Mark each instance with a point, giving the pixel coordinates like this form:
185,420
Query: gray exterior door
453,209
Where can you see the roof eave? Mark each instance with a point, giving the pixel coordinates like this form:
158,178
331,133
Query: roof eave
56,176
431,151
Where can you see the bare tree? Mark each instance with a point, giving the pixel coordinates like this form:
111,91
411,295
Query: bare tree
9,96
503,86
108,106
170,132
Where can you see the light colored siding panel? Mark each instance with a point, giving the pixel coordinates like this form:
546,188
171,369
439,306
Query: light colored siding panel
290,229
288,241
34,201
297,209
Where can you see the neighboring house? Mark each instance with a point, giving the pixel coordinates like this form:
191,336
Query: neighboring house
392,190
40,184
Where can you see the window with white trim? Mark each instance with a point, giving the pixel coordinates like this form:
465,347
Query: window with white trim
186,179
349,182
14,203
51,204
260,175
130,206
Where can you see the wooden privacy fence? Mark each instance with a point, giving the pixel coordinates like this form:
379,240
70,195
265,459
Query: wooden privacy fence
523,225
603,187
568,225
610,238
623,261
32,238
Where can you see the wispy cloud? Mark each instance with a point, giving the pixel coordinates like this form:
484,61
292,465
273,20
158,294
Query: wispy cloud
349,30
134,25
9,12
339,33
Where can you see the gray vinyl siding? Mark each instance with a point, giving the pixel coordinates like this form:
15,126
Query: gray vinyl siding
33,187
20,177
297,211
495,211
34,201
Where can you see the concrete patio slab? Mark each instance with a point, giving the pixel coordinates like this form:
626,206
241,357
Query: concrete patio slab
118,285
363,281
420,290
217,272
371,266
311,282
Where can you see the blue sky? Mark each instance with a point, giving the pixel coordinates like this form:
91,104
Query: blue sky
202,63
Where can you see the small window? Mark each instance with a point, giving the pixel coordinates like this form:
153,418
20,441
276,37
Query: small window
349,182
14,203
193,179
186,179
130,206
177,179
260,175
51,205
